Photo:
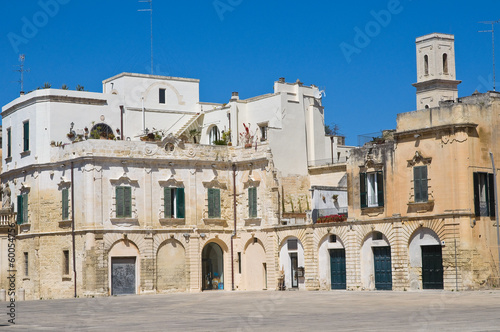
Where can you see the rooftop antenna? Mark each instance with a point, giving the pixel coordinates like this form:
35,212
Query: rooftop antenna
150,10
493,45
22,71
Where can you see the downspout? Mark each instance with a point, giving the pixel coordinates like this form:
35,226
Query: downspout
234,232
122,110
73,223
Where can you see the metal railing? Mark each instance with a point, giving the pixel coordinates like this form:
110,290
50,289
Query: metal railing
317,213
325,162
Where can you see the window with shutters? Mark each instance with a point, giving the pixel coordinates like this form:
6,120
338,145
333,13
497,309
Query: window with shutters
22,209
372,189
252,202
174,203
26,136
420,184
484,194
213,203
124,202
9,143
65,203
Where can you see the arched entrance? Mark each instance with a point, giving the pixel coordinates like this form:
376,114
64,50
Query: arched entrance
292,262
376,265
212,267
171,267
426,260
124,268
332,263
254,265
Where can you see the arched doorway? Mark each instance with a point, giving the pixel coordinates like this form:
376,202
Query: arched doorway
213,135
426,260
124,268
254,265
376,264
212,261
332,263
292,262
171,267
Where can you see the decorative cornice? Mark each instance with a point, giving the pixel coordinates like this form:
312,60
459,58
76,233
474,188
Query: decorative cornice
419,158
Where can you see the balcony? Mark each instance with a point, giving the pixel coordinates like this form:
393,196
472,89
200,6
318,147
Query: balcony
327,162
321,216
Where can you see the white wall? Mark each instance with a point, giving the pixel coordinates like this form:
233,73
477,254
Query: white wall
324,260
285,262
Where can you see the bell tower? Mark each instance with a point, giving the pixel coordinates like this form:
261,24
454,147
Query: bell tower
436,77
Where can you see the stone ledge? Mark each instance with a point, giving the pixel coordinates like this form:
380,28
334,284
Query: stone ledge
23,228
172,221
65,223
125,222
215,221
253,221
420,207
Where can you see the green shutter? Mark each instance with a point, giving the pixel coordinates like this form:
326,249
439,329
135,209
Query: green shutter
20,209
491,193
362,190
380,188
213,203
127,202
180,203
416,184
477,209
9,143
252,202
217,203
423,184
167,201
65,204
119,202
26,136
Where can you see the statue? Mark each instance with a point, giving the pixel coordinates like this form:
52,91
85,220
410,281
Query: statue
6,197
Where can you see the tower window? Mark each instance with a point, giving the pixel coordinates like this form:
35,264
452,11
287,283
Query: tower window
445,64
162,96
426,65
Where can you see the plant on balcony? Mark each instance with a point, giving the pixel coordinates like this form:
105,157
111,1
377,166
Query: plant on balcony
331,218
246,136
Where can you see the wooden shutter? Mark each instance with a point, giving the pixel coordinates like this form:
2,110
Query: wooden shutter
26,136
25,208
213,203
167,202
423,184
119,202
20,209
127,202
252,202
491,193
477,208
9,143
380,188
210,202
416,184
65,204
363,190
180,203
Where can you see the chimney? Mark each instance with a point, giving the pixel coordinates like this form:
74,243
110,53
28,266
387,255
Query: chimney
281,80
22,93
235,96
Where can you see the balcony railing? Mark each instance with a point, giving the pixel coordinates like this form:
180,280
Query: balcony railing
325,162
6,217
329,215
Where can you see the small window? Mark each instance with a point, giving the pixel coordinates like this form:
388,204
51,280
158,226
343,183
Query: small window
484,194
123,202
22,208
101,130
292,244
9,143
214,135
213,203
26,264
377,236
252,202
239,262
65,262
372,189
162,96
174,203
426,65
263,132
420,183
445,64
333,238
65,204
26,136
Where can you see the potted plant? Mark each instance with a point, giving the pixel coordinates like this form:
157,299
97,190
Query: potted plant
246,136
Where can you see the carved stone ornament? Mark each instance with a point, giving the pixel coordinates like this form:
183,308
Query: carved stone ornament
418,158
171,182
215,183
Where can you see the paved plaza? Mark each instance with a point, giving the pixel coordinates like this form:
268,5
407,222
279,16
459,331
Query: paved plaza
265,311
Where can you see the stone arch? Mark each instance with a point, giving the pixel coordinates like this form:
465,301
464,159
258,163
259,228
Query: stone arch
290,260
213,269
364,231
367,268
324,247
137,239
421,237
123,249
410,227
171,269
180,100
254,265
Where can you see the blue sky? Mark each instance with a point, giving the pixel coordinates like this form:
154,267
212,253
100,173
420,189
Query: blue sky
244,45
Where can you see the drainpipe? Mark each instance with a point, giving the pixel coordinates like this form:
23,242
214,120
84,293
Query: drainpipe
73,223
234,232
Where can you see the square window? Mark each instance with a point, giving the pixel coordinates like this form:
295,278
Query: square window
124,202
213,203
372,189
292,244
174,203
484,194
333,238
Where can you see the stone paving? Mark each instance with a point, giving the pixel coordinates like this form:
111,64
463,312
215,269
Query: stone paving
265,311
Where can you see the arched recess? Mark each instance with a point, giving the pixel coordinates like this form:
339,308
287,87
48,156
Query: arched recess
254,266
426,263
212,267
331,258
376,265
292,262
171,267
213,134
124,268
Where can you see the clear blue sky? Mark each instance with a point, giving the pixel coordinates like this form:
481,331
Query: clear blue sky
245,45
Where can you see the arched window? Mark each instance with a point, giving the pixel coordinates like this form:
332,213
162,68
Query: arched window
214,135
426,65
445,63
101,130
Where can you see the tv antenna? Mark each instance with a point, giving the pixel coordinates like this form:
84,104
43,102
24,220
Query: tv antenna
150,10
493,45
21,70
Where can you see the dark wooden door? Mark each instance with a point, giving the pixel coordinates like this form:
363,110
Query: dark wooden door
337,268
383,269
295,270
122,275
432,267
